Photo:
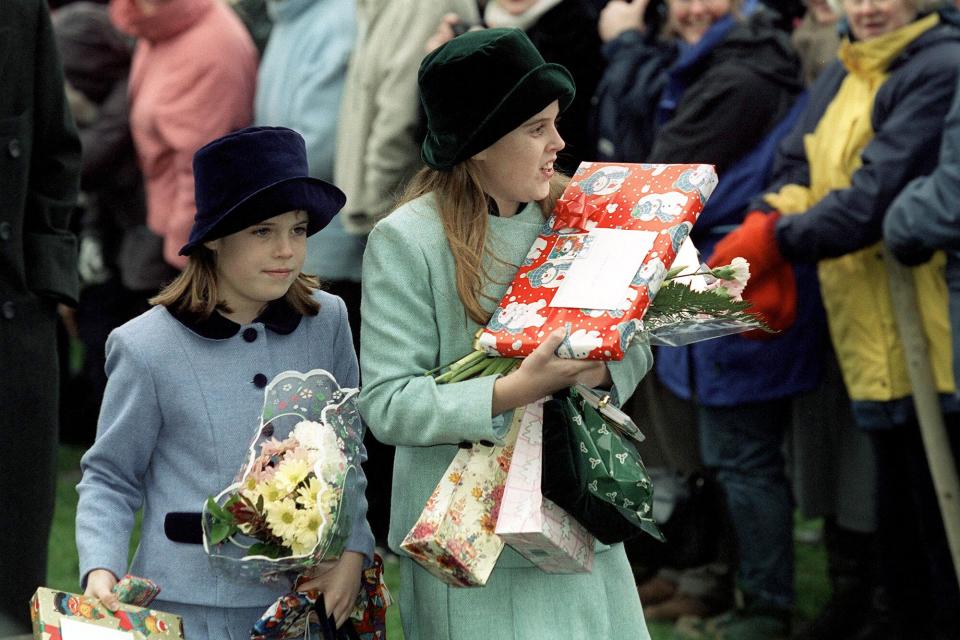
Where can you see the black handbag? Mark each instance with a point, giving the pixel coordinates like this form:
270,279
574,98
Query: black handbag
592,471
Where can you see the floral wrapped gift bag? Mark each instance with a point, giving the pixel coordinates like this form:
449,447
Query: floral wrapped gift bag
538,529
454,538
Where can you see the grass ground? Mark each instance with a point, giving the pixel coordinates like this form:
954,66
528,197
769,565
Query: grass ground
62,567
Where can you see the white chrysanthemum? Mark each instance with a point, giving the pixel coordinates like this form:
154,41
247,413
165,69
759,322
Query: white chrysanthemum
309,434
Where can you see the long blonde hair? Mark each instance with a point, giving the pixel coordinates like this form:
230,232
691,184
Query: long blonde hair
462,206
195,290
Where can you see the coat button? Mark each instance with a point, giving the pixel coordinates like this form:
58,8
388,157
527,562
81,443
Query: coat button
260,380
13,148
249,334
465,444
6,229
486,443
8,309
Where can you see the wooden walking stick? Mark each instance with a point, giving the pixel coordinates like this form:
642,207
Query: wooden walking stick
943,468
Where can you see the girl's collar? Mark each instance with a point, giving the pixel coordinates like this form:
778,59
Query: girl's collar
279,317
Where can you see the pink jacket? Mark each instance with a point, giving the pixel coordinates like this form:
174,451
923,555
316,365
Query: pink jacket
193,79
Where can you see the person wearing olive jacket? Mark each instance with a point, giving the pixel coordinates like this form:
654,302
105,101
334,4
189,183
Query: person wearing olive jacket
874,122
39,180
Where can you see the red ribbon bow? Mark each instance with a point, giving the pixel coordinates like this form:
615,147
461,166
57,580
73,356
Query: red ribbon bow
573,213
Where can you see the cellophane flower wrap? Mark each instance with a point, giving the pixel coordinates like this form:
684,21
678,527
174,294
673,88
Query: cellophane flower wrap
616,228
293,503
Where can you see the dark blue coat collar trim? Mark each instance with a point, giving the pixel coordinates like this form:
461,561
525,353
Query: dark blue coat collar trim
279,317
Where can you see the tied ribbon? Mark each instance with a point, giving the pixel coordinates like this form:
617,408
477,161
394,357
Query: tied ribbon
575,212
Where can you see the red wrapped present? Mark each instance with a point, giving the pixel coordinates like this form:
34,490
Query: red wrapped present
600,259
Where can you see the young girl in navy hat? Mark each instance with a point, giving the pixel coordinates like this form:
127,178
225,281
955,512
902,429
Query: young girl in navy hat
433,272
186,385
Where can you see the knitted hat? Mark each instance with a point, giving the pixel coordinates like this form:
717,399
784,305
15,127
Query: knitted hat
479,87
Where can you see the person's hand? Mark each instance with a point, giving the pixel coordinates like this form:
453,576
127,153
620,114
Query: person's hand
339,583
619,16
100,583
444,32
542,373
755,241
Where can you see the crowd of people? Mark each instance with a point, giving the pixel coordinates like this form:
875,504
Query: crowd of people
449,125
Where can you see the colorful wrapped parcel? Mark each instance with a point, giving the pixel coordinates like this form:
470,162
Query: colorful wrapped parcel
54,613
600,259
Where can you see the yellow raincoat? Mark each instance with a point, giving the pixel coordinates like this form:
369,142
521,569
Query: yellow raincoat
855,286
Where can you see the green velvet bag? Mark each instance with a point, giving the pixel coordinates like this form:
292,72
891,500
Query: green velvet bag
593,471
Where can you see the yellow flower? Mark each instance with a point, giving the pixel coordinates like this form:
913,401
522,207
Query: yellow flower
282,519
476,492
328,500
306,536
307,494
271,492
290,473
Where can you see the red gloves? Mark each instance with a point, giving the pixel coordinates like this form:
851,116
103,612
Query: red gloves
772,289
772,297
754,241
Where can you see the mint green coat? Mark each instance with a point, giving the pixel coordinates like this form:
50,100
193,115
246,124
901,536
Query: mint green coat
413,321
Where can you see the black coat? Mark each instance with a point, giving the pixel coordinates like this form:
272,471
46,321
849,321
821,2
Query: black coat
734,96
39,176
735,93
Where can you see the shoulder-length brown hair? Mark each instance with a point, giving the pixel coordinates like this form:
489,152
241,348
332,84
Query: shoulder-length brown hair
195,290
462,206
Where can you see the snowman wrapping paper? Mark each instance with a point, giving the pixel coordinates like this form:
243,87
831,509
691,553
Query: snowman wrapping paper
599,259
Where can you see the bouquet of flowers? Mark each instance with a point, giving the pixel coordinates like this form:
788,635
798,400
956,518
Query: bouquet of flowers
293,503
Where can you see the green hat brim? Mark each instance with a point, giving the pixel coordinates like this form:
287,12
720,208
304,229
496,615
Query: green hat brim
530,95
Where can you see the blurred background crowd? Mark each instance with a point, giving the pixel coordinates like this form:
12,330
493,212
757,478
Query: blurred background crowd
833,126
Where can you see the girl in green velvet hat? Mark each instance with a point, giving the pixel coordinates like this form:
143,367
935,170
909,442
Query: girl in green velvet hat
434,270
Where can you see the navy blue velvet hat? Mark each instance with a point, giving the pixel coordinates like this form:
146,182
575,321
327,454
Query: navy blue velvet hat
253,174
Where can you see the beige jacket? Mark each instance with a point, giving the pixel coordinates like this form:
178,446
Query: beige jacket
376,147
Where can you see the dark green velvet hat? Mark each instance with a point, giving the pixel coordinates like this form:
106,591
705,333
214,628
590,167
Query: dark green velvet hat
479,87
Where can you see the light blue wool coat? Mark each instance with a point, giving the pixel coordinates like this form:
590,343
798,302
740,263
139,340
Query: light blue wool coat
178,415
413,321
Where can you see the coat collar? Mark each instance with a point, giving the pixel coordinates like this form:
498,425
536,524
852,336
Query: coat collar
279,317
871,58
